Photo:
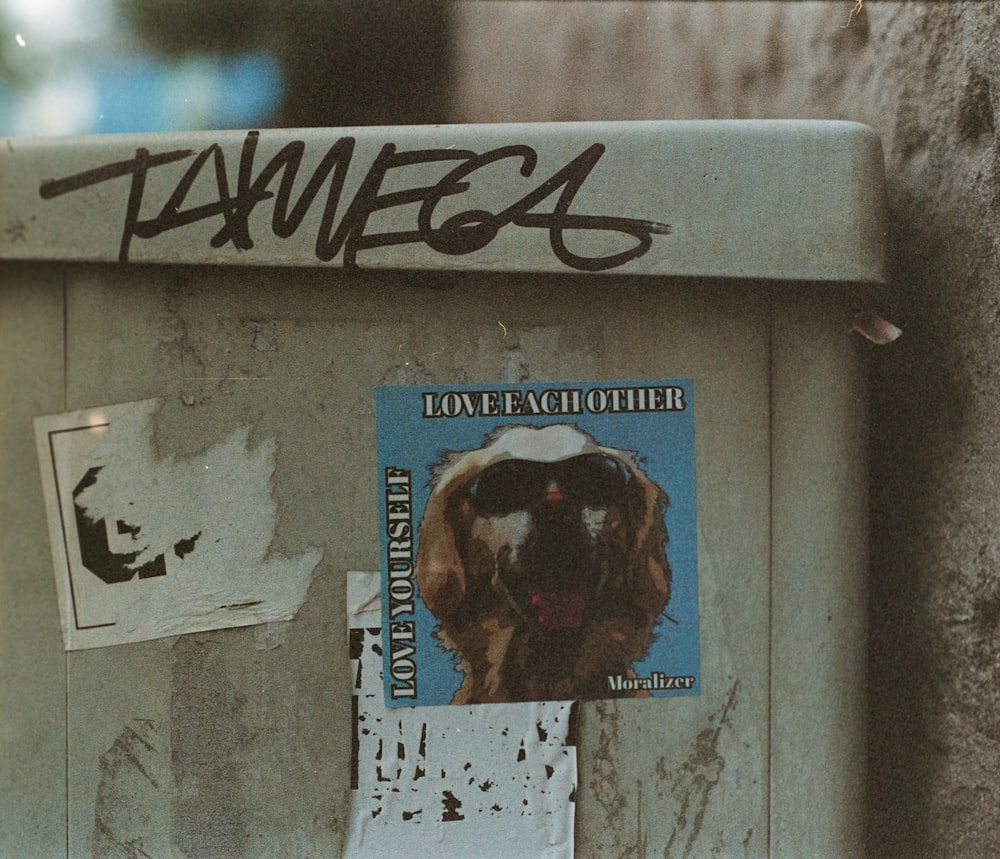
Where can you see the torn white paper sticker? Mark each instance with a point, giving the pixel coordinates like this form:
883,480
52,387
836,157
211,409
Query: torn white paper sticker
147,547
494,780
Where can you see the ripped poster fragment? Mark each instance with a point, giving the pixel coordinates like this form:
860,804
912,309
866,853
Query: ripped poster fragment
146,547
524,542
452,782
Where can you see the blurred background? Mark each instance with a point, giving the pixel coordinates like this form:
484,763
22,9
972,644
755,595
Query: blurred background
105,66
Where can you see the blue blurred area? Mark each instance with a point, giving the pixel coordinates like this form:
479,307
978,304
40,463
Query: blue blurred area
193,93
104,66
144,93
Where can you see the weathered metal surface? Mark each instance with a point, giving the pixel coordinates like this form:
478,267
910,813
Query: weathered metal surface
32,665
776,200
237,742
819,593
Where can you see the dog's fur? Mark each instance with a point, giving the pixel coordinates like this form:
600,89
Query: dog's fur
475,573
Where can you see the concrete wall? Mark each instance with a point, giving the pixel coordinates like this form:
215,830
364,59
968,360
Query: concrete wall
925,76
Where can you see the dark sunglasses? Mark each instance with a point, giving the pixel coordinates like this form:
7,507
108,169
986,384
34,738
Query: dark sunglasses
591,480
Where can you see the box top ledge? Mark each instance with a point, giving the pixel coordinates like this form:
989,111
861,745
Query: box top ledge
800,200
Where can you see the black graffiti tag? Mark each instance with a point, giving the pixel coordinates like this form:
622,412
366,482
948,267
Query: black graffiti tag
462,233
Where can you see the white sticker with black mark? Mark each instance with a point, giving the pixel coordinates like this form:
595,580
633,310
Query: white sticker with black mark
146,546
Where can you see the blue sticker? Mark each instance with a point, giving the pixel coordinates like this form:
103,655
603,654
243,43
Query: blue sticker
538,542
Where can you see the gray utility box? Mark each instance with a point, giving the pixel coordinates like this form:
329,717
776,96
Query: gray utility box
197,334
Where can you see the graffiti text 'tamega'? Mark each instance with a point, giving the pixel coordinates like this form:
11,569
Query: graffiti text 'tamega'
461,233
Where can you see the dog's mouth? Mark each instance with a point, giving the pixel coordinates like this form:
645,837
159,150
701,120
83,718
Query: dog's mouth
555,578
559,609
545,603
554,593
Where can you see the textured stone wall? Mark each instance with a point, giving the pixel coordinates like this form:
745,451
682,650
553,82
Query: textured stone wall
926,76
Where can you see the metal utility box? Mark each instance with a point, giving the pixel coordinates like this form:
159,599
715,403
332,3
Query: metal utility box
211,317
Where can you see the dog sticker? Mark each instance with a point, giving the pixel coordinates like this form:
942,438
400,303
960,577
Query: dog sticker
538,543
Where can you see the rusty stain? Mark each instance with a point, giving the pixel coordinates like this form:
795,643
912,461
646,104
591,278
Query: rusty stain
699,776
604,783
126,787
17,231
641,837
125,752
131,849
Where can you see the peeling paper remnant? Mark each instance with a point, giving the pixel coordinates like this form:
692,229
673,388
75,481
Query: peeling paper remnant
866,322
874,328
147,547
492,780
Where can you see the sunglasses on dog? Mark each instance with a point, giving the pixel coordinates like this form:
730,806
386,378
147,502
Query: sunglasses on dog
591,480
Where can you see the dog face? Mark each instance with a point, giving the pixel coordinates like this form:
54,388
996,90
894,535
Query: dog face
541,538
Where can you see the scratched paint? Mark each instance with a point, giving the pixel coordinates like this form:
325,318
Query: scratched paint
132,772
698,777
489,781
148,546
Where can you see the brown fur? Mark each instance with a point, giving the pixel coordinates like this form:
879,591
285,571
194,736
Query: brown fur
474,571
